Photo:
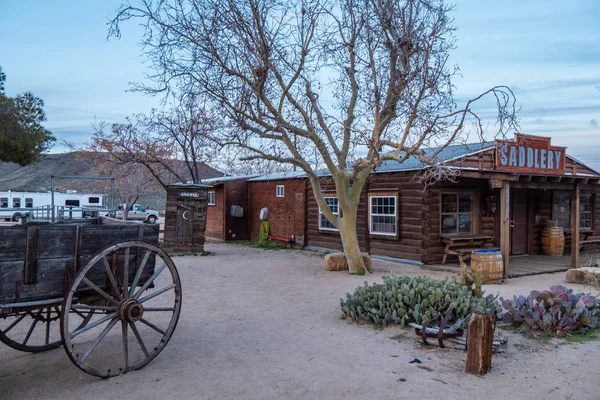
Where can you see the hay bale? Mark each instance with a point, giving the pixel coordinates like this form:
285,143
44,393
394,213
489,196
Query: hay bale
584,275
338,262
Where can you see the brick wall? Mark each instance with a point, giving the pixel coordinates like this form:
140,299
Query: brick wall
236,228
286,214
214,219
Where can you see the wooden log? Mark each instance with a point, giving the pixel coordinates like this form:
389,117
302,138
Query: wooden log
479,344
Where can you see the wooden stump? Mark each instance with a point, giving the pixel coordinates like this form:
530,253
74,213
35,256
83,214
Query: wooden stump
479,344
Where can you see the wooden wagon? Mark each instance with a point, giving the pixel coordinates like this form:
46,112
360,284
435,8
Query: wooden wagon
70,284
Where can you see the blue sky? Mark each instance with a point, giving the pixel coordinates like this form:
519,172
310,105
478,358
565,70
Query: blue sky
548,52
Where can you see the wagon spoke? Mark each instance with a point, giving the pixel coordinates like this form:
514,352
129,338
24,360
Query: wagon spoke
101,292
83,316
138,273
14,323
170,309
126,274
139,339
149,281
31,328
111,278
151,325
96,342
125,349
157,293
92,325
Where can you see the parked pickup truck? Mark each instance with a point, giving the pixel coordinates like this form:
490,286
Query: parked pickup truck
136,212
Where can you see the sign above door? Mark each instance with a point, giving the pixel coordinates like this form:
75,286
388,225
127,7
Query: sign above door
529,154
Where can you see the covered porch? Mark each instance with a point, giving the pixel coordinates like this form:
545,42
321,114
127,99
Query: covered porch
533,264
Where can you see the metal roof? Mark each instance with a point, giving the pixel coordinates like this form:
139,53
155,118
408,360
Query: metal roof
229,178
196,185
277,176
450,153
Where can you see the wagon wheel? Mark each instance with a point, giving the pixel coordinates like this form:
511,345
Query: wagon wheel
141,290
35,330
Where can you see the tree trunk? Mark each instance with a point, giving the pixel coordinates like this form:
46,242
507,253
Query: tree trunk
479,344
347,228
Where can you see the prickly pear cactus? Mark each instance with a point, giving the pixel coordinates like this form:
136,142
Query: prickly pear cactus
406,299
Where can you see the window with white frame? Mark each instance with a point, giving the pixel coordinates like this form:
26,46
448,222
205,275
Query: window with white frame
324,224
211,198
3,202
28,202
382,215
16,202
280,190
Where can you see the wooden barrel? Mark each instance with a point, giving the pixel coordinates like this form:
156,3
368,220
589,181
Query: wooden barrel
553,240
489,262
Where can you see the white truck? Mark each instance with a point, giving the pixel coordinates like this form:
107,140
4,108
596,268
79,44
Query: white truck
136,212
16,205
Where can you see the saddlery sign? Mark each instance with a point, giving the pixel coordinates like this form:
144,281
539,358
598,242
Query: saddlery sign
531,155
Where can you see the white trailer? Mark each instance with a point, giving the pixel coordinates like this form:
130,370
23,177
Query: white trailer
16,205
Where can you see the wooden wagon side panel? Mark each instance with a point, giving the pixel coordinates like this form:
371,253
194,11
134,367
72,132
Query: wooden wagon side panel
40,262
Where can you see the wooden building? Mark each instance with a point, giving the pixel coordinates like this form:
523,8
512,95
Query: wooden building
502,196
225,193
284,195
185,218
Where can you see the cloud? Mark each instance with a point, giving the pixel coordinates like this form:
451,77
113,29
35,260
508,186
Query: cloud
594,124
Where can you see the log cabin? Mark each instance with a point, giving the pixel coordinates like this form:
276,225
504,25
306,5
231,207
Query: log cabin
500,194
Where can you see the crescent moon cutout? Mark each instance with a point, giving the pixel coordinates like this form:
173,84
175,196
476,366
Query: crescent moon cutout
185,212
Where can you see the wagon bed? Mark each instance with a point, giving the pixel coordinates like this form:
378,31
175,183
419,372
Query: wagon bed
70,284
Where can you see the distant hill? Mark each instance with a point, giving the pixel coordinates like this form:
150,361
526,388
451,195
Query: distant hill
36,177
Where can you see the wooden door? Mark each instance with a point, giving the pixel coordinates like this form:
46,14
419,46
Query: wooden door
183,226
519,222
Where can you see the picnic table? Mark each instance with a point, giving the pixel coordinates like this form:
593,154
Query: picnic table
462,245
589,240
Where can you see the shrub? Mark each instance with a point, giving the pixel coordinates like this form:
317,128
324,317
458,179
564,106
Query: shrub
406,299
557,311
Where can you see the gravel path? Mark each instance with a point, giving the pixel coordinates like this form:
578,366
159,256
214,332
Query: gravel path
264,324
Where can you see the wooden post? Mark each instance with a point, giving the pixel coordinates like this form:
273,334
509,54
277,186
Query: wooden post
480,338
505,225
575,227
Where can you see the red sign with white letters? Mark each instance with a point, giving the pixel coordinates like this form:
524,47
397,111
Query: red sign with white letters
530,155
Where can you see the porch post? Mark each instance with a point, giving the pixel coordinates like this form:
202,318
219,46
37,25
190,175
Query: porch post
575,227
505,225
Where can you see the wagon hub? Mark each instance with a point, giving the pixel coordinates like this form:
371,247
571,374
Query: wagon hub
131,310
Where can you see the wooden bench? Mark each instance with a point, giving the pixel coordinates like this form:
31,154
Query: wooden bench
462,245
592,242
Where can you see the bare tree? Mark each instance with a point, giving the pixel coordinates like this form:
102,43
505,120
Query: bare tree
171,146
339,84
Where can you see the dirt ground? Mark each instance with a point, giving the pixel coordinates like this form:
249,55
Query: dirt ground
265,324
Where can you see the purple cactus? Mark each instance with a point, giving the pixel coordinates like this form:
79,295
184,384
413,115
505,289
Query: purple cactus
557,310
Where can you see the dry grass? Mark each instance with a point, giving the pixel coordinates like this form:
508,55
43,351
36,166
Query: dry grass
338,262
593,280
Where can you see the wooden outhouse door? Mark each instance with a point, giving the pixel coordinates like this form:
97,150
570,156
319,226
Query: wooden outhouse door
519,223
185,217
